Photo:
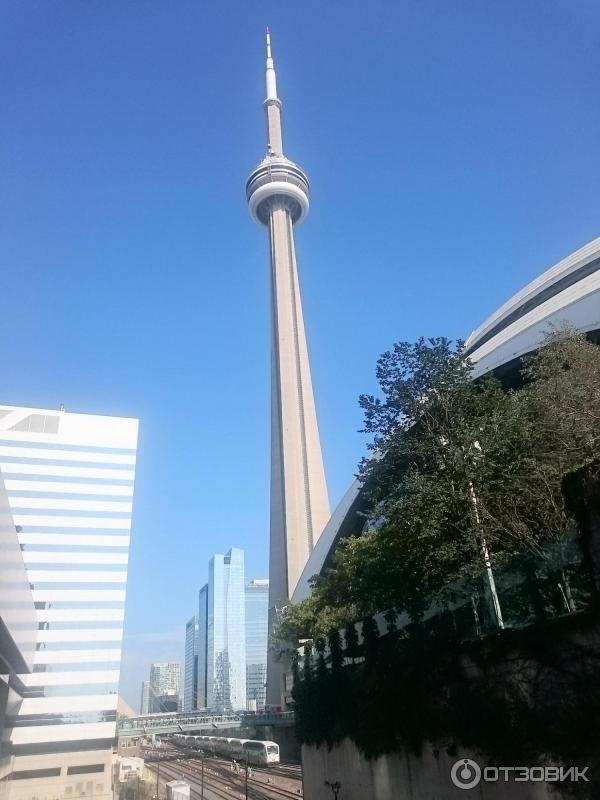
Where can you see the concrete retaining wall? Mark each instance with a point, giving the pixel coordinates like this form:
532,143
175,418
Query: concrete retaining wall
400,777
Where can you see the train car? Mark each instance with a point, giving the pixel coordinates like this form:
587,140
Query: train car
236,748
260,753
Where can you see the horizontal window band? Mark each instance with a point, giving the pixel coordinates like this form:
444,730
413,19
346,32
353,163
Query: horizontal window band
81,457
80,635
74,745
44,557
84,656
74,605
37,576
71,677
81,615
68,704
31,774
83,539
48,504
66,489
76,587
74,625
20,471
66,446
78,595
86,769
30,522
68,718
50,734
14,464
77,666
60,645
71,690
42,515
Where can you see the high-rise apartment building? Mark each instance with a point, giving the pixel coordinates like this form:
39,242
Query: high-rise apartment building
190,676
257,615
145,698
226,642
69,481
203,646
165,686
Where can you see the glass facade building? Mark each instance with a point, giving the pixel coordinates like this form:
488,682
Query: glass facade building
226,633
202,646
190,677
257,612
165,686
145,698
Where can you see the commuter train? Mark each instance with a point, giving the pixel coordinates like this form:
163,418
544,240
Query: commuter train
253,751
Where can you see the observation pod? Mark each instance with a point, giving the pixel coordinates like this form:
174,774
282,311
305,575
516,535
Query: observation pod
277,180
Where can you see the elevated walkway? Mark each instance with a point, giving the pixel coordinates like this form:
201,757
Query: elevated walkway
186,721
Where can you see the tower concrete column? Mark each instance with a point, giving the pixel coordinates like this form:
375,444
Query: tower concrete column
277,192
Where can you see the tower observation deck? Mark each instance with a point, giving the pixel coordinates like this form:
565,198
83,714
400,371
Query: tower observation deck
278,198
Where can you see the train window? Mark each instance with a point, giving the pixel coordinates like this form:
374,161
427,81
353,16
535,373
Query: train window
272,748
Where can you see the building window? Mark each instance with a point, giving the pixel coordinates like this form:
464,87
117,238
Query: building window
28,774
38,423
85,768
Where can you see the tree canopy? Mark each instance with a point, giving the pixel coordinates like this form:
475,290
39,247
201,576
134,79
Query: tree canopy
460,469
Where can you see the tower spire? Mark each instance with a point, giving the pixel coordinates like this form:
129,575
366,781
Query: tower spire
272,106
271,79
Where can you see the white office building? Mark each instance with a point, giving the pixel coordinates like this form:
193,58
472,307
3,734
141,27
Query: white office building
69,480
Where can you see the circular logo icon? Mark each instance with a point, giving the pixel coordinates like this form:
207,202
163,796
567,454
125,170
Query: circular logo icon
465,773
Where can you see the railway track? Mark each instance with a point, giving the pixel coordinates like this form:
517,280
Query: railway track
225,784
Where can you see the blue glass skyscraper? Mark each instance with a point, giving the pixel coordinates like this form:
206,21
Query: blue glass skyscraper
226,633
257,614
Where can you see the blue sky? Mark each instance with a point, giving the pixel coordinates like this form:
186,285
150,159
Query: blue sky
453,155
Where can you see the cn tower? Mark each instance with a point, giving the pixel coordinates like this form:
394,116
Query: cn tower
277,192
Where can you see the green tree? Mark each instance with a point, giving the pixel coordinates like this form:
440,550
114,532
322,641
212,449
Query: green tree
460,469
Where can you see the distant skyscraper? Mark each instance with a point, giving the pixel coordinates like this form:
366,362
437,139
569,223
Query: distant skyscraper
165,685
277,192
226,642
202,646
190,680
69,479
257,614
145,698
